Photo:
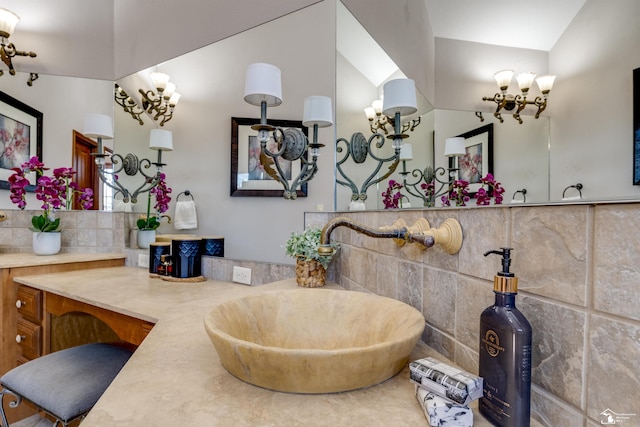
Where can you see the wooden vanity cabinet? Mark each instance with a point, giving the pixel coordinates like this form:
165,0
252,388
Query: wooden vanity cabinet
16,265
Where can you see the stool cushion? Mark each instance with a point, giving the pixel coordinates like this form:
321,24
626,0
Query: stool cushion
69,382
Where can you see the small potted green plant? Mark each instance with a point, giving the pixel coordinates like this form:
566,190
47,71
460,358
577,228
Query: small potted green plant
310,266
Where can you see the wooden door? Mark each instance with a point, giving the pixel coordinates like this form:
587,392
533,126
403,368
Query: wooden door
84,164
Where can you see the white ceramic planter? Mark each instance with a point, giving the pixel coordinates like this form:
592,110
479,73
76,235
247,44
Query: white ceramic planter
145,238
47,243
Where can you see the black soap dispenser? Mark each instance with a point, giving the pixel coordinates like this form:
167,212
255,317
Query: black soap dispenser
505,353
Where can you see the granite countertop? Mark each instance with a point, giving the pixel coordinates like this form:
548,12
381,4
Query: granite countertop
175,376
15,260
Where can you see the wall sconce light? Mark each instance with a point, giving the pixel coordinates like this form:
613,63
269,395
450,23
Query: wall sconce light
263,87
510,102
453,147
399,99
377,121
129,105
100,126
160,105
8,22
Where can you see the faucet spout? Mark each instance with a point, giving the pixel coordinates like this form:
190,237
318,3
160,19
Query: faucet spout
449,235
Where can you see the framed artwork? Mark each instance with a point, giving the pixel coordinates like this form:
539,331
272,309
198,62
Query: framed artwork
636,126
20,137
478,159
248,178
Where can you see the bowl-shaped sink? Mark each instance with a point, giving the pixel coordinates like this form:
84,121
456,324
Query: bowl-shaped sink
314,340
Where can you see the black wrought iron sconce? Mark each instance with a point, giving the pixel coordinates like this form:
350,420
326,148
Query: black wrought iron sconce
100,126
264,88
399,100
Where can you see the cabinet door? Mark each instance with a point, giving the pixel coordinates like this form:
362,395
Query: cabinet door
29,338
29,303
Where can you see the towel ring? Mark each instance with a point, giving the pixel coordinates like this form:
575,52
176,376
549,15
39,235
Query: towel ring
524,195
578,187
186,193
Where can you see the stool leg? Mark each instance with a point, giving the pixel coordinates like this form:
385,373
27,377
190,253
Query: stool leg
17,399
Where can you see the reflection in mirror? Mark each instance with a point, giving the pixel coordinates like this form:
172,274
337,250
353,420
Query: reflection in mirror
520,154
362,68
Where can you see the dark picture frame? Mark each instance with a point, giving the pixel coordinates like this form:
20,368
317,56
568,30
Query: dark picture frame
244,180
636,126
478,160
16,119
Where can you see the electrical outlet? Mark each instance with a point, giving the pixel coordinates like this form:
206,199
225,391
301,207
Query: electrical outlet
143,260
242,275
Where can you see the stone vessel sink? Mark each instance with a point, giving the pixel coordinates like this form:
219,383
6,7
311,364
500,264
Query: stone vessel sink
314,340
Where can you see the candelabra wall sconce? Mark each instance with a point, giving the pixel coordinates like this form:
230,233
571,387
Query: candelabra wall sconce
100,126
379,121
129,105
160,105
399,100
509,102
8,51
263,88
427,184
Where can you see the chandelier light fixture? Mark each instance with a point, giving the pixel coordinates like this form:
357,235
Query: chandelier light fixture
8,51
509,102
100,126
454,147
379,122
263,87
160,104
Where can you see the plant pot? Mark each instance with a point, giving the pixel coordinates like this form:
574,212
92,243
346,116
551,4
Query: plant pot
310,274
46,243
145,238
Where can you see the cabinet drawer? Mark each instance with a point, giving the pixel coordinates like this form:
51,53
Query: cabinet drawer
29,303
29,338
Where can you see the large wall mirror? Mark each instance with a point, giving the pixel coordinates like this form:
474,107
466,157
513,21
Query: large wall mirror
520,151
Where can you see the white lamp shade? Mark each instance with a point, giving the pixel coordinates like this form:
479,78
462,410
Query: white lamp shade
525,80
545,83
263,83
175,97
406,152
169,90
503,78
370,113
399,97
8,22
161,140
454,147
98,126
317,111
377,106
160,80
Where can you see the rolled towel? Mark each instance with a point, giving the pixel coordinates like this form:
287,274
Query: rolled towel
443,412
185,217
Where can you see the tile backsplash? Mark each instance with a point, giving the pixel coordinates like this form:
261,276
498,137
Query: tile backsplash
579,286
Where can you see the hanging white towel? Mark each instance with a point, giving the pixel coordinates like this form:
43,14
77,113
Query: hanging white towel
185,217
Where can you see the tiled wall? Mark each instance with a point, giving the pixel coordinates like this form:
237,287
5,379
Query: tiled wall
579,280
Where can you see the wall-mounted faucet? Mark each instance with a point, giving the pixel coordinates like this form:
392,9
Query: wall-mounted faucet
448,235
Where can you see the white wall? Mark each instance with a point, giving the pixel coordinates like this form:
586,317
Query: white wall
591,104
63,102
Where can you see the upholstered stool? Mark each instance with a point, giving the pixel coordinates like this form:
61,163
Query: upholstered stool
65,384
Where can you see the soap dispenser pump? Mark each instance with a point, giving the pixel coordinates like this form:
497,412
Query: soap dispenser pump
505,353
